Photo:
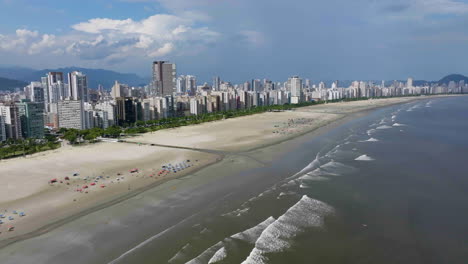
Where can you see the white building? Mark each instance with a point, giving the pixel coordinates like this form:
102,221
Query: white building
181,85
71,114
10,114
295,84
78,86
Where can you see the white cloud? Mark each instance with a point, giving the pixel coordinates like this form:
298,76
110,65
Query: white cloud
164,50
111,39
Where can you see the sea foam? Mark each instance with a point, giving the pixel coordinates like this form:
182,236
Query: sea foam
364,158
398,125
384,127
276,237
213,253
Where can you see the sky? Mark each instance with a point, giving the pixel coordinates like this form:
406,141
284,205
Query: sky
241,39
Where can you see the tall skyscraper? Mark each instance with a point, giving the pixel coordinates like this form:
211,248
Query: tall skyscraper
55,87
2,129
191,84
181,84
10,114
32,119
164,78
409,84
36,91
78,86
296,89
216,83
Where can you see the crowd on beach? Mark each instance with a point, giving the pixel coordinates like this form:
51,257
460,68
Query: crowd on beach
293,126
86,184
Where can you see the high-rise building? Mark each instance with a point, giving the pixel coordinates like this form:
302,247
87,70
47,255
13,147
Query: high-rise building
125,110
36,92
71,114
181,84
191,84
78,86
2,129
119,90
409,84
216,83
12,121
55,87
32,119
164,78
295,84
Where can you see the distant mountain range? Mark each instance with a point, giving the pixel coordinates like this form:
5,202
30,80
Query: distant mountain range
453,77
10,85
18,77
95,76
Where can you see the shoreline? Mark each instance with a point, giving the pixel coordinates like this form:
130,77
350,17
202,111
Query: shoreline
220,156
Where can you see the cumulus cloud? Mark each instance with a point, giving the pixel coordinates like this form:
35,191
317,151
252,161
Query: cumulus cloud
110,39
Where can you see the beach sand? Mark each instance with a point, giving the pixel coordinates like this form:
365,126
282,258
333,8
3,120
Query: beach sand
25,180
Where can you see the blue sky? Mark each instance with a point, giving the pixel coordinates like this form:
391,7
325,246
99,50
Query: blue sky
241,39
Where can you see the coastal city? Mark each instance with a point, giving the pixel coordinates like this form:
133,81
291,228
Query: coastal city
63,100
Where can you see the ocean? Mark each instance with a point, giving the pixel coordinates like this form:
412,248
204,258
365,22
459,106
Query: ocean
390,187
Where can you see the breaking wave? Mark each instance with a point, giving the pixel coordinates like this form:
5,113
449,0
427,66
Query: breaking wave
276,237
364,158
384,127
214,253
371,140
398,125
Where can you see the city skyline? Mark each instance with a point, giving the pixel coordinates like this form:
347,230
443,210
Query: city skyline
327,41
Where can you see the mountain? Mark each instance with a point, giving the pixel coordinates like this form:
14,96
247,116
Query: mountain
453,77
95,76
9,84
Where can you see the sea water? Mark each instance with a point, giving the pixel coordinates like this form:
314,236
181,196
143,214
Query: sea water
389,187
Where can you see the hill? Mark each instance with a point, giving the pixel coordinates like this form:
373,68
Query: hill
9,84
95,76
453,77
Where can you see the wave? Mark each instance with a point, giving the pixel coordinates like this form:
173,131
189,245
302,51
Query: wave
249,235
394,117
314,164
310,177
237,213
276,237
370,140
398,125
218,256
384,127
364,158
370,131
285,194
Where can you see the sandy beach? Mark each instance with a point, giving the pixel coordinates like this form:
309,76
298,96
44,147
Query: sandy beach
25,181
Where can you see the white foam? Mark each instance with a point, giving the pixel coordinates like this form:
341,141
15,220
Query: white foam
398,125
394,117
384,127
364,158
314,164
371,140
238,212
276,237
249,235
310,177
370,131
218,256
285,194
